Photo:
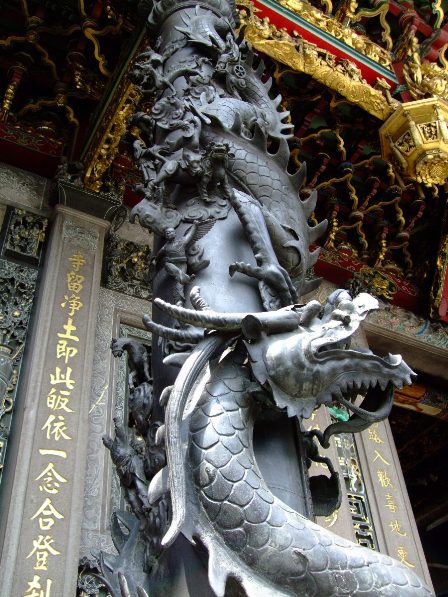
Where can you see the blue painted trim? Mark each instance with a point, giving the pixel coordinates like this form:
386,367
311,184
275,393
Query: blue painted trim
292,16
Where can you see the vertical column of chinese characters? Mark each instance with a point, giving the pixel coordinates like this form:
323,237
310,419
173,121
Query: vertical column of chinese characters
385,477
56,436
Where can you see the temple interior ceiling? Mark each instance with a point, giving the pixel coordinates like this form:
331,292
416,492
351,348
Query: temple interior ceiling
66,103
65,95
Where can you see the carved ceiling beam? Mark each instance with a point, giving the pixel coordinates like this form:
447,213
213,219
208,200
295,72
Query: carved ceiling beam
92,33
105,145
16,75
329,34
343,76
111,122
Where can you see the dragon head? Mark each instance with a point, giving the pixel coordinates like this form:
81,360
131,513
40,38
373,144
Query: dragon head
301,352
313,365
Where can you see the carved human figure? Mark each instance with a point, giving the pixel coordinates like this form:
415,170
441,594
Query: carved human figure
139,361
183,155
144,160
214,172
174,257
130,470
148,72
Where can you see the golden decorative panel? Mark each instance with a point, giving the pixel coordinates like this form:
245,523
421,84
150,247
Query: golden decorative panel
104,149
341,31
415,139
343,76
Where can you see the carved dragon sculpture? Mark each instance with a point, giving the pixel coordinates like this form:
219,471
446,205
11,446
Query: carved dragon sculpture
289,358
298,356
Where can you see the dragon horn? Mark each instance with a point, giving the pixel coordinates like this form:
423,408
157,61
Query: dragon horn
171,333
207,319
255,325
252,324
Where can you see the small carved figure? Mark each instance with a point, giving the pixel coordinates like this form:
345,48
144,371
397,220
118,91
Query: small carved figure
139,360
130,471
148,73
230,66
145,123
188,159
145,165
174,256
70,172
215,171
140,406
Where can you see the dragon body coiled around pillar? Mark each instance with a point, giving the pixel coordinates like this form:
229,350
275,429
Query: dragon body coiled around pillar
226,213
250,534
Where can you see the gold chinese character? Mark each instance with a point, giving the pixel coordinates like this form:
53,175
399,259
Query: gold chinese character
66,351
35,589
403,554
390,502
56,427
395,527
332,519
41,560
77,260
44,544
51,479
46,515
46,452
379,456
74,304
69,328
63,378
75,282
58,400
373,435
384,479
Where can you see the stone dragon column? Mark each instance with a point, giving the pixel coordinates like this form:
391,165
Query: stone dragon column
236,362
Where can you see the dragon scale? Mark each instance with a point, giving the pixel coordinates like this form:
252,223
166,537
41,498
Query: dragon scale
296,555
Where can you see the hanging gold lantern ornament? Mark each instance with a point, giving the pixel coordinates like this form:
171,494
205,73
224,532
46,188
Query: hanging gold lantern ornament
415,140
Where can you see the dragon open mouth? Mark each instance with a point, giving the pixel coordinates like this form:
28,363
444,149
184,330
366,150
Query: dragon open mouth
360,372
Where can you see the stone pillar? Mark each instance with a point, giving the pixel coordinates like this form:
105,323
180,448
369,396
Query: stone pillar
44,514
392,515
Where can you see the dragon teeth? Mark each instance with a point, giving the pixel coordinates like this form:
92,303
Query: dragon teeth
393,359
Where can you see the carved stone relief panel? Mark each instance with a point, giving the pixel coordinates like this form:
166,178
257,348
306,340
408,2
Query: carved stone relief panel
356,491
117,501
108,376
23,241
23,188
25,236
126,267
17,292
